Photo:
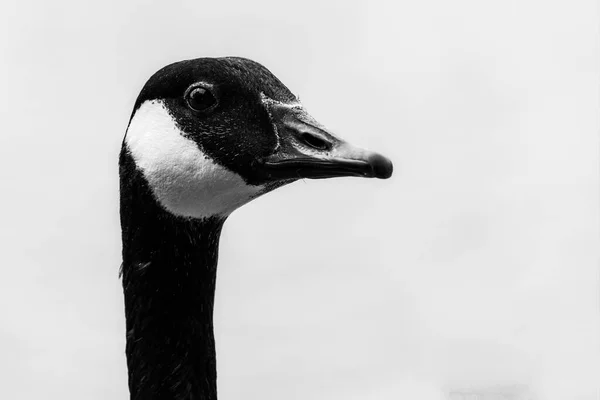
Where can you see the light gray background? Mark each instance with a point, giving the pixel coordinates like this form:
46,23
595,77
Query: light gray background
476,264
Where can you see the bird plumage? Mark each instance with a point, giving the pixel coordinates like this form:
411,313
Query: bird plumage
205,137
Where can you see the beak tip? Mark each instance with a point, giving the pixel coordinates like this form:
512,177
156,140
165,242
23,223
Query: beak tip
382,166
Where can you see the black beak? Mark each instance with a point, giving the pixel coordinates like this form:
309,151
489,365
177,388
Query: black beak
307,150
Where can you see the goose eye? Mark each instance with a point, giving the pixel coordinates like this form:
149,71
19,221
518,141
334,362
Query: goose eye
200,99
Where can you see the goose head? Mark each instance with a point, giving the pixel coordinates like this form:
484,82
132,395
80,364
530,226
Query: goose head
211,134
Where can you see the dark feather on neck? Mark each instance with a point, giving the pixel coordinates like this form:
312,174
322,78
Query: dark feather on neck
169,273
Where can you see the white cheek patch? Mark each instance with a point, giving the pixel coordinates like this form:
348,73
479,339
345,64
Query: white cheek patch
183,179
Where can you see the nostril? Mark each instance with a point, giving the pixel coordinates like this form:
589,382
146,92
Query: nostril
314,141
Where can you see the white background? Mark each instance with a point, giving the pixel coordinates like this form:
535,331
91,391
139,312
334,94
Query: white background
475,265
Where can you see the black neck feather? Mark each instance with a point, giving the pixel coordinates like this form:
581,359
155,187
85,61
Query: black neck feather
169,272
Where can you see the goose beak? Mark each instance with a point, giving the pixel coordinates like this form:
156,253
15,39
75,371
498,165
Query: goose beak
306,149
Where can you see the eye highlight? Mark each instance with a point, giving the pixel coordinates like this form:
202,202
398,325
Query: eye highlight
200,98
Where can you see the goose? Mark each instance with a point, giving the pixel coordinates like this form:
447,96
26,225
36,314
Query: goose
205,137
